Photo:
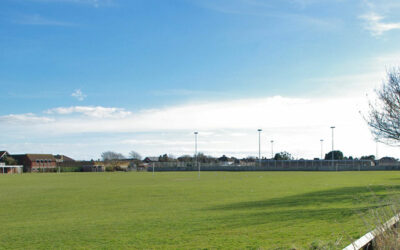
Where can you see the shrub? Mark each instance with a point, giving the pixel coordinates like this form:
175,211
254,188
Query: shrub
109,169
119,168
70,169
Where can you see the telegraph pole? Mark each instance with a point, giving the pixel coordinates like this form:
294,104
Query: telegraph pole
333,127
195,149
322,147
259,145
272,149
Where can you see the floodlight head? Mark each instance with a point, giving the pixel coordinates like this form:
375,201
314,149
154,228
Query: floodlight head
333,127
259,130
196,133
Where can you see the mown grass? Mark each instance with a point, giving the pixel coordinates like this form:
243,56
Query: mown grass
178,210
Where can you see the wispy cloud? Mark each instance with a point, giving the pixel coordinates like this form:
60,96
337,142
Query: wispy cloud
290,11
225,126
369,75
78,94
94,3
235,6
296,124
28,118
380,16
183,92
94,112
376,25
40,20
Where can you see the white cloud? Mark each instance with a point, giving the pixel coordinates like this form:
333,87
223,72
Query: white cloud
27,118
40,20
368,75
94,112
289,121
225,127
380,16
270,9
375,24
94,3
78,94
183,92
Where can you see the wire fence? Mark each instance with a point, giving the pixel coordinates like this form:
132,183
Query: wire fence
273,165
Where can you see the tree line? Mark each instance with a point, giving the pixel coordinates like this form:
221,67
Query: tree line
203,158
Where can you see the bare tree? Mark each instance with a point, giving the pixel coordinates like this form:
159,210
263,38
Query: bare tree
384,113
111,155
135,155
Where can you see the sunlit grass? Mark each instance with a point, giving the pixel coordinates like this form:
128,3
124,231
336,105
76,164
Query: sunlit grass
179,210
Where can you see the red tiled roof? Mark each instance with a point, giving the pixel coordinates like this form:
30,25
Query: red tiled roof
34,157
3,153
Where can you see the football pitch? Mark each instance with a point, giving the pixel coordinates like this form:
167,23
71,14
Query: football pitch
266,210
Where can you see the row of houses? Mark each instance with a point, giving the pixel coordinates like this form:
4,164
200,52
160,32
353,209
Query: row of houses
15,163
28,162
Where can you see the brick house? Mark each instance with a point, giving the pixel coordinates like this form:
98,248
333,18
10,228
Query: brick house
63,158
2,154
6,169
151,159
36,162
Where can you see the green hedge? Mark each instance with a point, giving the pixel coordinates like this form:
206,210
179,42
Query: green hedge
71,169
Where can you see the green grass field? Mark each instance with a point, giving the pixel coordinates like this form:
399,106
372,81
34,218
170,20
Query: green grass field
177,210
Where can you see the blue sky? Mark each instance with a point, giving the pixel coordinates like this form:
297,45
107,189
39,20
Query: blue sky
114,69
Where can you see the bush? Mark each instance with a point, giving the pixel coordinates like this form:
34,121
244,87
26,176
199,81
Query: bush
319,245
47,170
109,169
119,168
70,169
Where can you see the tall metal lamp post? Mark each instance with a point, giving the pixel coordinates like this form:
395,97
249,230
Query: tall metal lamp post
259,145
272,149
195,148
322,147
333,127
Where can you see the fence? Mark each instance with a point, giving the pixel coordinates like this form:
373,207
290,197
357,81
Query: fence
365,242
10,169
272,165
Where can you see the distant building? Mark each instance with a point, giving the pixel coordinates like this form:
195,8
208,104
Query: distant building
387,161
63,158
225,161
93,168
10,169
7,169
3,154
36,162
150,159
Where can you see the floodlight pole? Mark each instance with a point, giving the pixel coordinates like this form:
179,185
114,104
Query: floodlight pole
333,127
322,147
259,145
376,149
195,150
272,149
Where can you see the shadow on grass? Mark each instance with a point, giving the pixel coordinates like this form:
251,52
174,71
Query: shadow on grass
329,206
283,218
339,196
